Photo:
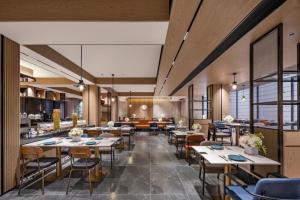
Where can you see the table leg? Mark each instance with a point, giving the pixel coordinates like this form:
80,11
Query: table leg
129,145
97,155
237,135
227,180
58,164
111,156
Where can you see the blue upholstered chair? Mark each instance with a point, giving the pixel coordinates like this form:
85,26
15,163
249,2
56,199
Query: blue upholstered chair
154,127
267,189
220,130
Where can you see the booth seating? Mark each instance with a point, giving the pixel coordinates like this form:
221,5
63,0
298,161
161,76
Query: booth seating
143,124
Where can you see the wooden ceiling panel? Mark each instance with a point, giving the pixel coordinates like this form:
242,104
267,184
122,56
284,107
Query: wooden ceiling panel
83,10
236,59
215,20
181,15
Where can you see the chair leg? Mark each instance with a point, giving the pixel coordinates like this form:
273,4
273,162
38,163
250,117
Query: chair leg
43,182
69,182
90,180
21,181
203,182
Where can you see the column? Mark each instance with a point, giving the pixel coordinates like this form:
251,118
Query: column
91,105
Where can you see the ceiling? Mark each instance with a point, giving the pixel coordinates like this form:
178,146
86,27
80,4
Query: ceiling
85,32
121,60
236,58
126,49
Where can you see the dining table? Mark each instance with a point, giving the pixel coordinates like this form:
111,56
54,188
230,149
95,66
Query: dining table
230,155
126,131
59,142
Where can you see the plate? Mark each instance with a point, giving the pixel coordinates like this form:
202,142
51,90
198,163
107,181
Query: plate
49,143
238,158
217,147
90,143
98,138
68,137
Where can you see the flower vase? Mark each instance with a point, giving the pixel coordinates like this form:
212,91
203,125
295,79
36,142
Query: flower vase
76,138
251,150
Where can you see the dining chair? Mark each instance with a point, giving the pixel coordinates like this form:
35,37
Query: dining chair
107,150
81,160
207,167
265,188
118,133
154,128
92,132
192,140
219,130
33,159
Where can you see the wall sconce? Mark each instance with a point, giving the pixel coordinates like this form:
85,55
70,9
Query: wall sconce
144,107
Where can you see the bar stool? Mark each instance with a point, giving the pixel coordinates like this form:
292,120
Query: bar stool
32,158
84,163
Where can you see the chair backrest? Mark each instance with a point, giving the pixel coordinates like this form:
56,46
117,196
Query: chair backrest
281,188
220,125
92,133
80,152
153,125
84,135
117,124
106,135
194,140
116,133
208,143
31,152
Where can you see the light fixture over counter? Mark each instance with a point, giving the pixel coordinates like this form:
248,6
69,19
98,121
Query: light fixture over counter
113,98
81,85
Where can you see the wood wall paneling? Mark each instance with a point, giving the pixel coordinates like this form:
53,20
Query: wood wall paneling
291,156
82,10
127,80
91,105
136,108
10,67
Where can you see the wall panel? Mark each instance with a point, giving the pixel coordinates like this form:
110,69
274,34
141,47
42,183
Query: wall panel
10,67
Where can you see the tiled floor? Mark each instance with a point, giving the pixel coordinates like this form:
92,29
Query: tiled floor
150,170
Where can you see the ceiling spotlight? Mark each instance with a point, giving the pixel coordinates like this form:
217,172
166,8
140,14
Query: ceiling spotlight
234,83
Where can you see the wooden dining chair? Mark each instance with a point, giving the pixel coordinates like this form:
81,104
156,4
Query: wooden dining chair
83,162
92,132
219,130
107,150
33,159
118,133
192,140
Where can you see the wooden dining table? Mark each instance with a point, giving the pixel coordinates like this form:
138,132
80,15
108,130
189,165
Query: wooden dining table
59,142
220,157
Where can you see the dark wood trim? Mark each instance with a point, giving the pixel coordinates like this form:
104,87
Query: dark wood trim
190,105
127,80
58,58
136,94
82,10
237,104
67,90
260,12
1,114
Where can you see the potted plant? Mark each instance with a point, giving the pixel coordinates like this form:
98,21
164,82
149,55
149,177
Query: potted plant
110,124
253,143
76,133
196,127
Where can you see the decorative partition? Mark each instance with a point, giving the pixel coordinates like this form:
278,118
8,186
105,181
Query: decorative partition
10,136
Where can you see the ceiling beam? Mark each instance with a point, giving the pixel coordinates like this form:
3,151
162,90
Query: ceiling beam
67,90
58,58
136,94
53,81
127,81
83,10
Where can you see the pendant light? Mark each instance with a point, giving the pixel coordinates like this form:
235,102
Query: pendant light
243,97
81,85
234,83
130,105
113,99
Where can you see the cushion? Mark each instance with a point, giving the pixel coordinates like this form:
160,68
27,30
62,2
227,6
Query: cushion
82,163
44,163
239,193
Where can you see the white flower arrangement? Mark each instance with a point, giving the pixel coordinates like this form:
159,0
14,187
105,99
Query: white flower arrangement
126,119
253,140
228,119
180,122
196,126
75,132
110,123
